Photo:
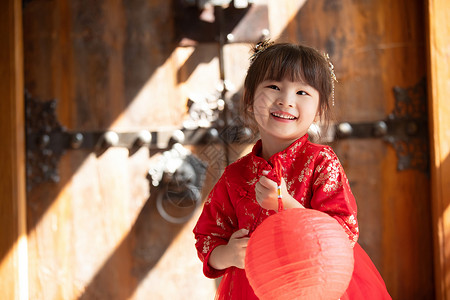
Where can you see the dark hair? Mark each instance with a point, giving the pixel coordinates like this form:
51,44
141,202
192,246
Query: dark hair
291,61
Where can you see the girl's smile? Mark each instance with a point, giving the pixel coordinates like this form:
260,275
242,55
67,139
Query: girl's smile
282,116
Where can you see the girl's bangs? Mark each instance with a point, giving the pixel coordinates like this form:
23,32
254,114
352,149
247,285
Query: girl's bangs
287,67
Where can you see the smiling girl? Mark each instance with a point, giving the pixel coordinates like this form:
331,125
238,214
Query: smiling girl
286,89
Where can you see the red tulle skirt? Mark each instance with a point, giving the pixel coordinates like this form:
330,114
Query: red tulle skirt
366,282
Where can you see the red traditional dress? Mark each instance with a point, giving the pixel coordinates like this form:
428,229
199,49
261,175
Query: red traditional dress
313,176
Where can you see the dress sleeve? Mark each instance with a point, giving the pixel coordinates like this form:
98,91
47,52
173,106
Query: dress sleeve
215,225
332,194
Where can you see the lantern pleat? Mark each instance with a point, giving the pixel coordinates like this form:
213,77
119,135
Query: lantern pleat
299,253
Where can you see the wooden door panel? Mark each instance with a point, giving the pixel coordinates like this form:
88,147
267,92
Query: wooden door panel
13,239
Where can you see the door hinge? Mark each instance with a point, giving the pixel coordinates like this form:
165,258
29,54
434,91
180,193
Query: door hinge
405,129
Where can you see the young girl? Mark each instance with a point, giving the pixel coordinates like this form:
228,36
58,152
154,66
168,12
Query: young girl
287,88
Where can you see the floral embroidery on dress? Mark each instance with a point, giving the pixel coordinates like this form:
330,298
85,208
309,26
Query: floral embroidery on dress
219,222
352,220
208,199
247,213
306,171
329,178
206,245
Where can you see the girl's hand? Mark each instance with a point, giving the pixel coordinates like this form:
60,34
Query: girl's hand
267,194
232,254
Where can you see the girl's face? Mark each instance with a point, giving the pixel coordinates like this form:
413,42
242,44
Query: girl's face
284,110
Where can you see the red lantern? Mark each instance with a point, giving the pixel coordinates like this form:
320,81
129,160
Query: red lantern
299,254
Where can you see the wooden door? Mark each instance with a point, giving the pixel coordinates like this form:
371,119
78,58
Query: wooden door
117,65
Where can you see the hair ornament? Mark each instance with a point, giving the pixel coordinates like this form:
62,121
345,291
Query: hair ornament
333,76
259,48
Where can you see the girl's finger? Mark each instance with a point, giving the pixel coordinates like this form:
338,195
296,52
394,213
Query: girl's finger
243,242
258,188
240,233
266,182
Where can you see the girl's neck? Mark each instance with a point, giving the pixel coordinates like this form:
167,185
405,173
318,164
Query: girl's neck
271,147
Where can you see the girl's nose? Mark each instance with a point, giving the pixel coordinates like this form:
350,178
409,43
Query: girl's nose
285,102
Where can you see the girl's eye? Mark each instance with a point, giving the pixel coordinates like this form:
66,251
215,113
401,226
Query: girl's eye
303,93
274,87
